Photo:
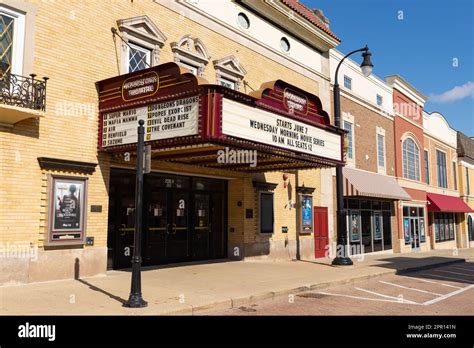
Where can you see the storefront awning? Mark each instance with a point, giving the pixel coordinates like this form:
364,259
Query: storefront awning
450,204
361,183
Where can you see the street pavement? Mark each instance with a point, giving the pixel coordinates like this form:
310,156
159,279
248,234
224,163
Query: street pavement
196,288
444,290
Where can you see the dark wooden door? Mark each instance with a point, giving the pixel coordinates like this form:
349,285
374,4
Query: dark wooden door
320,231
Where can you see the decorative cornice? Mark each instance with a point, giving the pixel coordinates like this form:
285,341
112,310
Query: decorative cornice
264,186
66,165
305,190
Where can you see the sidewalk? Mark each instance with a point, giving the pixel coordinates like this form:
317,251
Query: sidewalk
189,289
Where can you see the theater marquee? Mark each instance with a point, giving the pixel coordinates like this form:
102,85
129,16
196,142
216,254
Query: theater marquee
165,120
189,120
244,122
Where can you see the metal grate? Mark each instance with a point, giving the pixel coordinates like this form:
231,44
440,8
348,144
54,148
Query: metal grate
27,92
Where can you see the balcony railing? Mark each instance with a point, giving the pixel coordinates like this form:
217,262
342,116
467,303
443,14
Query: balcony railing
21,91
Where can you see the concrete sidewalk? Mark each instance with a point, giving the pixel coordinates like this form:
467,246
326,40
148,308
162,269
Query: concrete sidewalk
189,289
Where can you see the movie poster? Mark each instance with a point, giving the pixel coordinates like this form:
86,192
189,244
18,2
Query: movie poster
307,213
355,226
67,210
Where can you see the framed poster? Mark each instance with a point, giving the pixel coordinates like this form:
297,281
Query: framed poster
422,230
355,225
406,230
67,210
307,214
377,226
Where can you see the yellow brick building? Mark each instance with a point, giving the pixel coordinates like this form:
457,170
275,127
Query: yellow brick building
465,172
241,46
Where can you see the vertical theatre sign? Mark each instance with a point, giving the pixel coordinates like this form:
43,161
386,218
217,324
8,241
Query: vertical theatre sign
67,210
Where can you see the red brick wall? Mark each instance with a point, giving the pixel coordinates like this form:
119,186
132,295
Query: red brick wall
365,140
407,107
402,127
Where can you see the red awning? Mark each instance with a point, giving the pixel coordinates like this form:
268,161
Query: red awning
449,204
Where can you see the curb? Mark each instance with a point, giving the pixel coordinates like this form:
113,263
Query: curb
247,300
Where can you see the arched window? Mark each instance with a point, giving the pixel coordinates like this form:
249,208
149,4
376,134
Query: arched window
411,160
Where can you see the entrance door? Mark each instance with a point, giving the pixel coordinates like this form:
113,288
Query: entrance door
156,226
177,242
200,238
121,221
320,231
415,234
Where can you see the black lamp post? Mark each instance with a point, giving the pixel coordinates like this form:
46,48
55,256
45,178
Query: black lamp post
135,299
342,258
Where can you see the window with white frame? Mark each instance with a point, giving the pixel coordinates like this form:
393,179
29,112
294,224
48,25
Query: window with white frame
427,168
468,188
441,169
455,179
139,58
379,100
12,37
191,52
227,83
348,126
381,151
347,82
193,69
141,45
229,72
411,160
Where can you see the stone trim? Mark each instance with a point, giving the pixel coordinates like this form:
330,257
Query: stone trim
230,68
143,32
66,165
191,51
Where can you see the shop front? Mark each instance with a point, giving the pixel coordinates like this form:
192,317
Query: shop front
216,155
370,204
446,215
414,231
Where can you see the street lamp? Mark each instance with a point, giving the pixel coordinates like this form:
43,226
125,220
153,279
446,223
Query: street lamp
135,300
342,258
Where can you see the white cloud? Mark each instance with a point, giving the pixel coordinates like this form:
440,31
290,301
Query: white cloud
456,93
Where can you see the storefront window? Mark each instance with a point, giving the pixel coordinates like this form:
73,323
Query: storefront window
444,227
414,226
369,225
355,226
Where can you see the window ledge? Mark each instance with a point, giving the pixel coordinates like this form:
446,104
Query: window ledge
9,114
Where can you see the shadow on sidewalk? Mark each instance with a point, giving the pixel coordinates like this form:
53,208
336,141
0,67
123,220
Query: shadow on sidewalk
93,287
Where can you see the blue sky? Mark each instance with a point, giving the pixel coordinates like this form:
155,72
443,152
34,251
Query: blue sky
420,44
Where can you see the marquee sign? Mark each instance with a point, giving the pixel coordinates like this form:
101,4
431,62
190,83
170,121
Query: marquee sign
261,126
294,101
141,86
165,120
282,122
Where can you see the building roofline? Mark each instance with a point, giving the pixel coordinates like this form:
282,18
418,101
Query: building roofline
398,79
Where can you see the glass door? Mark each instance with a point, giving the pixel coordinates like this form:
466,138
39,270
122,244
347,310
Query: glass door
177,242
378,231
202,228
156,227
415,233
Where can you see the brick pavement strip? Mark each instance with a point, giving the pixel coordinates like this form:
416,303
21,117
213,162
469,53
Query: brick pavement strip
194,289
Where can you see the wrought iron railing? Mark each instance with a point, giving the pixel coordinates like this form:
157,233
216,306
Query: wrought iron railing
26,92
